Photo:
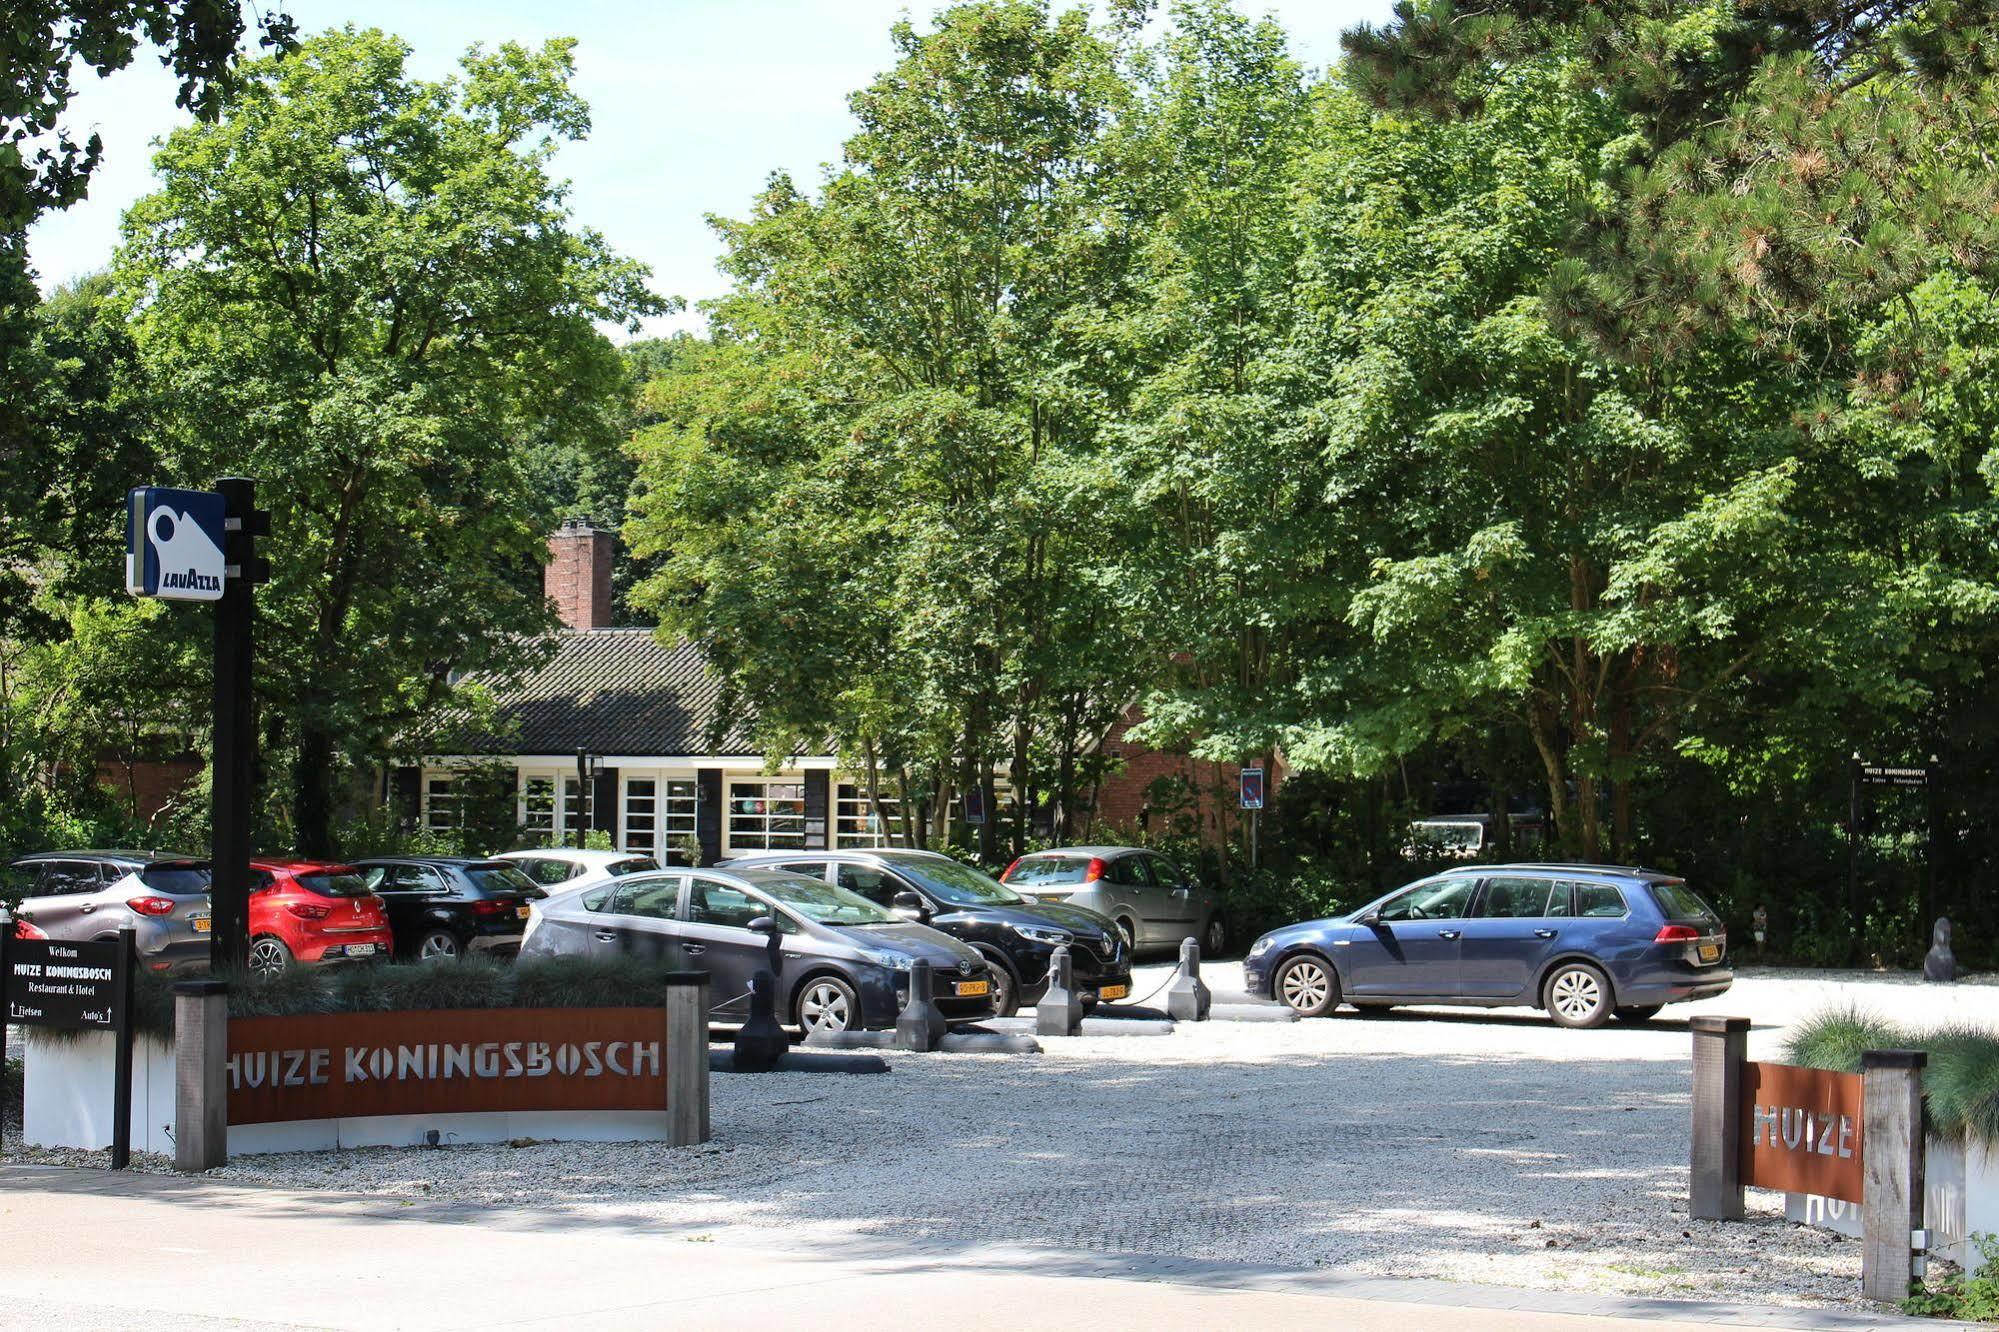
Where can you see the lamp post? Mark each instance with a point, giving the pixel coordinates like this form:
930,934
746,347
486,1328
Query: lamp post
587,767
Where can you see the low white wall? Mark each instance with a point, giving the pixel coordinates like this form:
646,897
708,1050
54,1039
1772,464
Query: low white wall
66,1102
1960,1199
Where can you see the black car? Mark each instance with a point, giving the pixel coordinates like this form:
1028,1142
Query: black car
1016,935
449,906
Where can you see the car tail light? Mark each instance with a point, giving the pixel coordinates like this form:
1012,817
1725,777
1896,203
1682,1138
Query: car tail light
1095,870
307,910
26,929
152,906
492,906
1676,934
1007,873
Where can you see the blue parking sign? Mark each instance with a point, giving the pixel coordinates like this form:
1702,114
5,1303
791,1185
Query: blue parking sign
174,544
1252,788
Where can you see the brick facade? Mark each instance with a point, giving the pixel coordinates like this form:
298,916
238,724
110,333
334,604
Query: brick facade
1155,790
578,576
150,785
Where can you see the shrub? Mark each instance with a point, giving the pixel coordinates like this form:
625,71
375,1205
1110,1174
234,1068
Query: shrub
1975,1299
1835,1039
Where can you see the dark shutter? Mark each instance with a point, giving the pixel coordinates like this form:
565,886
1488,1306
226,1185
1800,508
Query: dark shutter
816,783
708,813
406,796
604,802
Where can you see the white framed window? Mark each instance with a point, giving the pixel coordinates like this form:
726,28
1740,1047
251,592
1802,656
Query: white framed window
641,820
537,809
855,824
441,813
658,816
765,814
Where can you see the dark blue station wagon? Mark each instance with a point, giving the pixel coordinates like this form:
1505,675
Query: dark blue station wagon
1585,942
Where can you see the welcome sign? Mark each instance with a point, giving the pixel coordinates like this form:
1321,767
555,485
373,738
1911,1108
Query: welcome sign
1801,1130
174,544
350,1065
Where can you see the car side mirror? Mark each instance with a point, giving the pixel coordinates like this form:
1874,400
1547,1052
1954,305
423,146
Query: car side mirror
909,906
1372,920
764,925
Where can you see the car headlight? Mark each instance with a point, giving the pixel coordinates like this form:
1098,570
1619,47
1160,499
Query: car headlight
1044,934
893,961
1263,945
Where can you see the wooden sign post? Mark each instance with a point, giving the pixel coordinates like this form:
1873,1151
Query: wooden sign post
1857,1137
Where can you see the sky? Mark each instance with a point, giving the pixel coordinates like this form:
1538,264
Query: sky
694,103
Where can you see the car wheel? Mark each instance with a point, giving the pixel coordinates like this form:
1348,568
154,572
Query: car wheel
1214,939
1308,986
268,956
1130,928
1641,1013
439,946
827,1003
1577,995
1006,990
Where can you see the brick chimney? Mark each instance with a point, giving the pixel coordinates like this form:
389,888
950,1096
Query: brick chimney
578,577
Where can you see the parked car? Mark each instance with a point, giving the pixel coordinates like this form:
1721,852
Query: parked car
1466,836
84,895
1585,942
305,911
1016,936
845,962
561,869
450,906
1153,900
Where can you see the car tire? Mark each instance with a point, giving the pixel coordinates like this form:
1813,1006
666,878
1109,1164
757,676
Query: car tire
1214,939
439,945
1637,1014
268,956
1006,986
1577,995
1307,985
1130,928
826,1003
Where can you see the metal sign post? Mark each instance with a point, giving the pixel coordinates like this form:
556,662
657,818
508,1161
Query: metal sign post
195,545
1252,800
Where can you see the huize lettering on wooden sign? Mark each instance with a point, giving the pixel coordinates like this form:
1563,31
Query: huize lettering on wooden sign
1801,1130
343,1065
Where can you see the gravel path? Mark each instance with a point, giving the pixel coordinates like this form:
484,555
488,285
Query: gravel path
1479,1146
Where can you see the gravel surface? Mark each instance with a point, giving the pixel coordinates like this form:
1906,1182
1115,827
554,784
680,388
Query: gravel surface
1463,1144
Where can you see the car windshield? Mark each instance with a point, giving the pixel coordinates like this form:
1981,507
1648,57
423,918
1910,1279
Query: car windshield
815,899
1680,902
334,883
635,865
501,879
1038,871
955,883
176,880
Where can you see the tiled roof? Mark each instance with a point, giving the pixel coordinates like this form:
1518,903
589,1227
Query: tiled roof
608,691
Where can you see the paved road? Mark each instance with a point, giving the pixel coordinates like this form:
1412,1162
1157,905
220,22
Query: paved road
85,1249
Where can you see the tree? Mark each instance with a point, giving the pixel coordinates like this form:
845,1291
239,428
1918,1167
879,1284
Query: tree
366,291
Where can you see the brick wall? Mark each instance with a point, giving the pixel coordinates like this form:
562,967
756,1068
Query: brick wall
1136,797
151,784
578,576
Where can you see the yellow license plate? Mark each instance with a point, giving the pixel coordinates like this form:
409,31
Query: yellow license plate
1114,992
974,989
1710,952
522,912
200,924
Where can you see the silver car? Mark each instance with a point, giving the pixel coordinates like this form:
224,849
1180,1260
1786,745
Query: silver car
1154,901
85,895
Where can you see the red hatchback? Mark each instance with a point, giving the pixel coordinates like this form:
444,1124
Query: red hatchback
311,912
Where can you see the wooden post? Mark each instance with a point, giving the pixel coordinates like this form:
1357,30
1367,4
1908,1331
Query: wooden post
1892,1142
1720,1045
201,1075
687,1057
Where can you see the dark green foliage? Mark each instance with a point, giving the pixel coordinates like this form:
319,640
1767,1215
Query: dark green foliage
1949,1293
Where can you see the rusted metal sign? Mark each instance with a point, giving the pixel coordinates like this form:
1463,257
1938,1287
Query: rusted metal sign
1801,1130
341,1065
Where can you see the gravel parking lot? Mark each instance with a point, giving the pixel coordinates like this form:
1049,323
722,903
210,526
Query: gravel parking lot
1482,1146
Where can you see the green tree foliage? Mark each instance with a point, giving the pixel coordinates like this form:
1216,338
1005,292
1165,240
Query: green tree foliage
365,291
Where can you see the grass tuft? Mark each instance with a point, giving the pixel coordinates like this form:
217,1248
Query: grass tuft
1835,1038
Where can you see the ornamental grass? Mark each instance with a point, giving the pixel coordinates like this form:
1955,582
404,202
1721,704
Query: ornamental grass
1960,1082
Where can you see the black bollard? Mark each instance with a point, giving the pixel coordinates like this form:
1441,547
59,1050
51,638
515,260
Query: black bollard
1060,1012
761,1042
921,1024
1187,998
1940,964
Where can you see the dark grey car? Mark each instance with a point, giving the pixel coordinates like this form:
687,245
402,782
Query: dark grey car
844,963
84,895
1155,901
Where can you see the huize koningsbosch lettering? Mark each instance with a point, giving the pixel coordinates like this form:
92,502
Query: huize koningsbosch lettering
1799,1130
318,1067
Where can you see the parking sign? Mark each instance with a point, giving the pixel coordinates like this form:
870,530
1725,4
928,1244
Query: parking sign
1252,788
174,543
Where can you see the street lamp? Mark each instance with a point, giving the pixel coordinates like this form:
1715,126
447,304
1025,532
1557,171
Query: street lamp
588,765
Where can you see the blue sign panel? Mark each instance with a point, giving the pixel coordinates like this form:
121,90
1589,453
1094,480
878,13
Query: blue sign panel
173,544
1252,788
975,804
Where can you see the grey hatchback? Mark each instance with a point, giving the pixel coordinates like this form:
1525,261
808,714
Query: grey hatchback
82,895
1155,902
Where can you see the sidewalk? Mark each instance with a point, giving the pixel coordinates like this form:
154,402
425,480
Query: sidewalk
83,1249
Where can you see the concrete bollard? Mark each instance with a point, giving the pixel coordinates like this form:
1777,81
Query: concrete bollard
201,1075
1060,1012
687,1057
921,1023
1187,997
760,1043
